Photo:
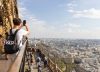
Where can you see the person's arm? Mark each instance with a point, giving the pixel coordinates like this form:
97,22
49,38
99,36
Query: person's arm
24,24
25,32
27,28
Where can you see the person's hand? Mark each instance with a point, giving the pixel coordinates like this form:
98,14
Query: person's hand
24,22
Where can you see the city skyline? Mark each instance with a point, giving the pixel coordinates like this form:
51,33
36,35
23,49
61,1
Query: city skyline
62,19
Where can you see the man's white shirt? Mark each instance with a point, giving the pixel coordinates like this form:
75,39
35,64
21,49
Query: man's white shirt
20,35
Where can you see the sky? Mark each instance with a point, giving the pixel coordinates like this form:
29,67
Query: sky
61,18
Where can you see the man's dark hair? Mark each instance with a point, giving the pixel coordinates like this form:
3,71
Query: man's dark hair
17,21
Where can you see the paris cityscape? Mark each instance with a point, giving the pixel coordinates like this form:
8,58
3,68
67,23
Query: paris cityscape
87,50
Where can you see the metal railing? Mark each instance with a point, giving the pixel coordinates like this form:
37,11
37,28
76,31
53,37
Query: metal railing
53,66
22,62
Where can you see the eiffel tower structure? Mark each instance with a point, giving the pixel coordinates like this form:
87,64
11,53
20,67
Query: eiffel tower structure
8,10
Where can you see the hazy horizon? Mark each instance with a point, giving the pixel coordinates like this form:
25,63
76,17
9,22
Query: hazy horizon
66,38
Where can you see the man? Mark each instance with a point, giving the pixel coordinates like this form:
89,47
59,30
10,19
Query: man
18,25
19,36
38,60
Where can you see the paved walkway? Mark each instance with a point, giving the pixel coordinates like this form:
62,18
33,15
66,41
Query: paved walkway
34,66
46,69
